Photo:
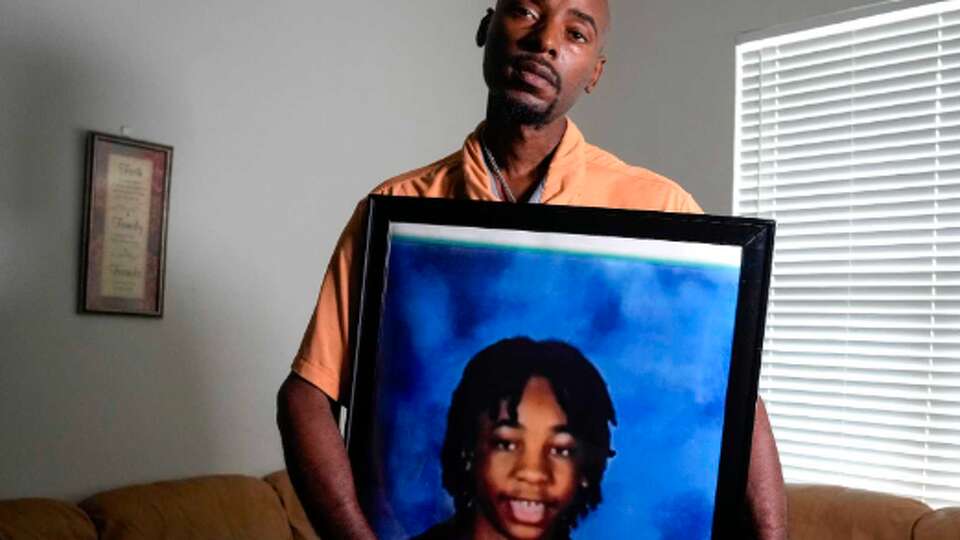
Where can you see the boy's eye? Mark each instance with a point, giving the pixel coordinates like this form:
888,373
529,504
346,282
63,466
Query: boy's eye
578,36
561,451
504,445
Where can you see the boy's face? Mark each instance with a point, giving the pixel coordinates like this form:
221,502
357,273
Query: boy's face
527,470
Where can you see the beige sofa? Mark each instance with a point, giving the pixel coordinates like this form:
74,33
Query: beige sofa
228,507
820,512
247,508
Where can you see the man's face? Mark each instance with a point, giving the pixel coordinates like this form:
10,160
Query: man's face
527,469
541,54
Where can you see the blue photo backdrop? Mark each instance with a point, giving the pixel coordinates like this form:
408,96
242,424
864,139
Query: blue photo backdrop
660,333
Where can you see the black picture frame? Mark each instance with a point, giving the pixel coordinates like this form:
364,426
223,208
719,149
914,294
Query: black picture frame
753,237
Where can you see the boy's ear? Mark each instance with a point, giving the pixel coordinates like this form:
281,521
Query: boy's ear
483,28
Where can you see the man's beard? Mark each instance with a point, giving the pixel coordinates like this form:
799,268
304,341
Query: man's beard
522,113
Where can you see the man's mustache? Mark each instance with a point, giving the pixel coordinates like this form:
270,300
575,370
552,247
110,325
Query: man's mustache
542,67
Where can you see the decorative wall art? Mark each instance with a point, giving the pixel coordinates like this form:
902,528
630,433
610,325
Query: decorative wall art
125,224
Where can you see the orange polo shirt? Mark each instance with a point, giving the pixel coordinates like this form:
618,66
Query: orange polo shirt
579,175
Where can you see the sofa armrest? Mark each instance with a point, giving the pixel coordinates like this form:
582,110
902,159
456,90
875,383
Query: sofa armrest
228,506
299,523
943,524
823,512
44,519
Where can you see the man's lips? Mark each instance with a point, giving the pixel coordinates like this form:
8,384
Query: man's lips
534,73
534,80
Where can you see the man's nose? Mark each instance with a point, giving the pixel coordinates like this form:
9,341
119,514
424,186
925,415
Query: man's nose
542,38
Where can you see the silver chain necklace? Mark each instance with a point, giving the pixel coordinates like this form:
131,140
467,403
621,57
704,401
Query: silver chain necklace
497,175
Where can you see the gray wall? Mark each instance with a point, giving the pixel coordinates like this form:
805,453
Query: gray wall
668,95
282,114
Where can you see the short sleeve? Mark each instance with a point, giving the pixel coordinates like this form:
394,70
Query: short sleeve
689,206
324,355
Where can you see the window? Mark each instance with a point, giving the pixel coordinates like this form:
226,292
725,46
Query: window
848,135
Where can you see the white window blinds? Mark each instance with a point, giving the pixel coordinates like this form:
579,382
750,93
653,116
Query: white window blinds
848,136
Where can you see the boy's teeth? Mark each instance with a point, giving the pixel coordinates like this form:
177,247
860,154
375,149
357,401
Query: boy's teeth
527,511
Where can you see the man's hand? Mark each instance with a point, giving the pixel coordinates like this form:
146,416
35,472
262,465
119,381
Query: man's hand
317,462
766,493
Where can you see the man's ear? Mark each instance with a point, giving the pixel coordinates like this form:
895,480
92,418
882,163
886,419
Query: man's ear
597,73
484,26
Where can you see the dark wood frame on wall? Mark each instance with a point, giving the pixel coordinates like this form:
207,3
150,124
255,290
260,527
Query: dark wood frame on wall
753,236
123,252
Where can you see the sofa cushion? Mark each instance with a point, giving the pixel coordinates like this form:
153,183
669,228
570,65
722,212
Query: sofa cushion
43,519
202,508
820,512
944,524
302,529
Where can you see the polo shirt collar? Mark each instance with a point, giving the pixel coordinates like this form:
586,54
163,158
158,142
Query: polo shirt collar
565,175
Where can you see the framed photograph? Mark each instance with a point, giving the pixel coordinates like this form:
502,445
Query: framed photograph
555,372
125,226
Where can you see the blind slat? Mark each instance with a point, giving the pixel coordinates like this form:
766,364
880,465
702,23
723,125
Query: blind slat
849,137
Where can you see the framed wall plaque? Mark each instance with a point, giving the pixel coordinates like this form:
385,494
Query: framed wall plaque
538,371
125,226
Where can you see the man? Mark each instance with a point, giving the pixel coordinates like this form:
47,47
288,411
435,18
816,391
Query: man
539,57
